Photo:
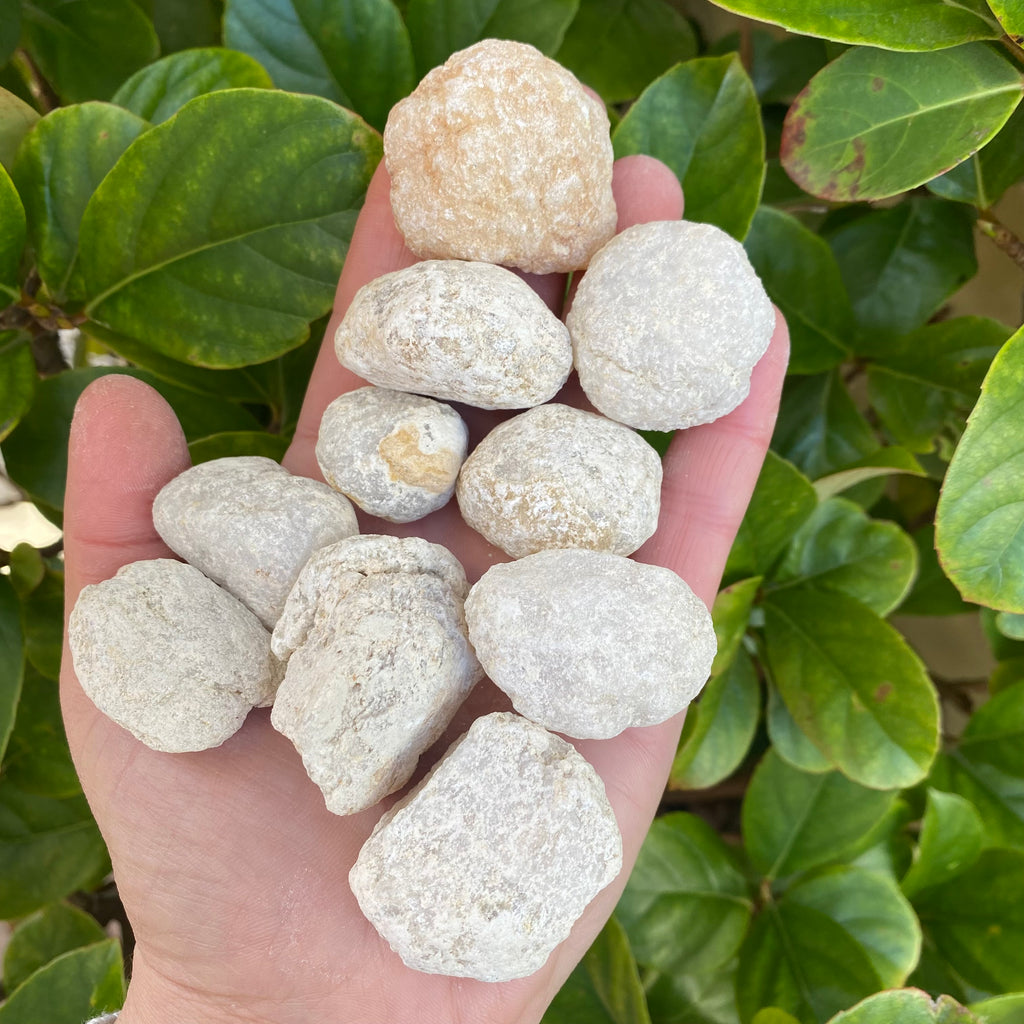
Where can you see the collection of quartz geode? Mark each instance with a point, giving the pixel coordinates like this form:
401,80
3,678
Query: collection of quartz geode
366,645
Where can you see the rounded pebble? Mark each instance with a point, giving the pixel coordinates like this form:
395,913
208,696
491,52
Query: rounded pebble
484,868
395,455
589,643
500,155
559,477
667,325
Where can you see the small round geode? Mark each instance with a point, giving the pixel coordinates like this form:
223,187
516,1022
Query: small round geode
458,332
559,477
667,325
395,455
589,643
500,155
169,656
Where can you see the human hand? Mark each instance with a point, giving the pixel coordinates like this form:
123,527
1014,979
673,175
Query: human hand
231,870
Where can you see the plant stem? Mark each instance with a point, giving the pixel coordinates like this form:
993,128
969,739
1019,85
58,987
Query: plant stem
1013,44
38,86
1003,237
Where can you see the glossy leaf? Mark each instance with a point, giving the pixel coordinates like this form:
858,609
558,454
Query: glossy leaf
731,615
979,520
11,660
16,120
951,839
618,47
75,986
12,238
793,821
706,998
354,52
783,499
801,277
86,50
10,28
719,727
36,452
932,593
789,740
1008,1009
995,733
1011,16
997,796
42,622
45,935
907,1006
184,24
59,166
780,68
17,378
977,920
773,1015
839,548
1010,624
887,461
685,906
220,234
702,118
928,381
852,685
819,428
236,443
888,23
901,264
604,988
933,109
160,90
48,848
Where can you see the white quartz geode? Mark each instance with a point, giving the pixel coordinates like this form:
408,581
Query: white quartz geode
486,865
169,656
559,477
395,455
588,643
250,526
378,662
460,332
500,155
667,325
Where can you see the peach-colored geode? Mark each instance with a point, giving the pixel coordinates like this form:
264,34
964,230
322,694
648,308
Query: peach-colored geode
501,156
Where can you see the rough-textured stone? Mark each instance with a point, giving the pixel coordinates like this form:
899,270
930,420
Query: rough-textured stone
558,477
501,156
395,455
667,325
250,526
483,869
169,656
588,643
378,663
460,332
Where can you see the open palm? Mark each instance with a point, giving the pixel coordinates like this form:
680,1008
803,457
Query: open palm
232,872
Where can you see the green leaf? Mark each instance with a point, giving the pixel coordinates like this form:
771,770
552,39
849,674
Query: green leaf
932,109
440,27
801,960
42,621
901,264
802,278
59,166
995,733
719,727
86,50
604,988
45,935
979,520
1010,624
731,615
886,461
1007,1009
11,660
983,178
238,442
888,849
773,1015
793,821
16,120
1011,15
1006,674
28,569
685,906
852,685
819,428
354,52
160,90
75,986
618,47
36,452
933,593
977,920
789,740
702,118
907,1006
706,998
928,25
185,24
997,796
783,499
839,548
48,848
928,381
12,238
221,233
10,28
17,378
951,839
